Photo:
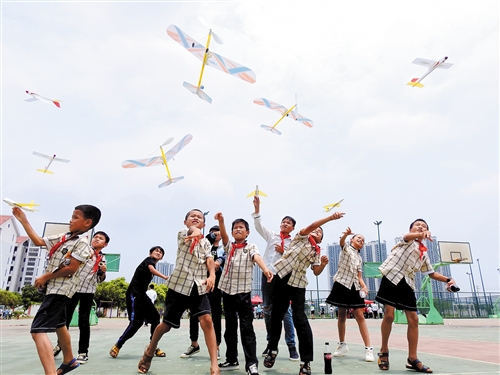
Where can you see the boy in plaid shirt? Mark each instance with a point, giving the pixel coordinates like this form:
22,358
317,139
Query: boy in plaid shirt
236,285
397,290
187,288
290,285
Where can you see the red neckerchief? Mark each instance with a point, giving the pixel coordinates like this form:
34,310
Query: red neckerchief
59,244
283,236
314,244
195,241
234,246
422,248
97,261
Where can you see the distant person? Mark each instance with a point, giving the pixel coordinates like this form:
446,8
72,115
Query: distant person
374,310
291,286
276,245
313,310
67,256
93,272
322,312
397,290
151,292
139,305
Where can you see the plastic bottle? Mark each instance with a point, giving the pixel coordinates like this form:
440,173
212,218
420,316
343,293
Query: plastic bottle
328,359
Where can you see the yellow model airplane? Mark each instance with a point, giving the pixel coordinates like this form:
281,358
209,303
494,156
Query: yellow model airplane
257,193
329,207
24,206
51,159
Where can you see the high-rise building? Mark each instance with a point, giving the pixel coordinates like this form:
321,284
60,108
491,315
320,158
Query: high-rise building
166,269
257,282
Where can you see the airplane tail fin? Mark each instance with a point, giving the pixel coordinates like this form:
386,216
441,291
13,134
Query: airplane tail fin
271,129
261,194
198,91
45,171
56,102
414,83
170,181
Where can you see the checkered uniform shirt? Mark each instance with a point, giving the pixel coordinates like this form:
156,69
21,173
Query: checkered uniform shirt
350,263
404,261
190,268
270,254
88,278
77,248
300,255
237,276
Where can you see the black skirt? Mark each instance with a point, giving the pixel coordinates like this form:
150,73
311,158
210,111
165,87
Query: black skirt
341,296
401,296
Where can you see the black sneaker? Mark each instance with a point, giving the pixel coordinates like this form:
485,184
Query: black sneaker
57,349
82,358
305,369
294,356
190,351
252,370
226,366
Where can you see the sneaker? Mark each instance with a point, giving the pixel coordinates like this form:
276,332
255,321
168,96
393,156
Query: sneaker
190,351
294,356
252,370
82,358
264,353
226,366
342,349
57,349
305,369
369,354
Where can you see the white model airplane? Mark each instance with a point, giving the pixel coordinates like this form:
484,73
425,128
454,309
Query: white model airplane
44,99
163,159
292,111
24,206
257,192
329,207
432,65
208,58
51,158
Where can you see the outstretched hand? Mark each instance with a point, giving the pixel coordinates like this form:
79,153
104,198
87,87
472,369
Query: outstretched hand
256,203
337,215
347,232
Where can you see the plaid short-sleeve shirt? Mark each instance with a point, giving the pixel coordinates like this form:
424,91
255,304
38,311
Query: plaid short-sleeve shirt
350,263
300,255
237,275
190,268
88,278
404,261
78,248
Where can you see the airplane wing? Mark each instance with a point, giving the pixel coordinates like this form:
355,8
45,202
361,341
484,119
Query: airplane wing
214,60
149,162
445,65
42,155
329,207
62,160
423,62
306,121
271,105
179,146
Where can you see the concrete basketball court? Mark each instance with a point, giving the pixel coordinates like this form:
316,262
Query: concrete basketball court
458,347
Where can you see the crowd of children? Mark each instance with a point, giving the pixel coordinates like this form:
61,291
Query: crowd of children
208,268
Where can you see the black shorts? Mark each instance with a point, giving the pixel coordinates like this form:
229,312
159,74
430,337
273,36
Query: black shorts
51,314
341,296
401,296
176,304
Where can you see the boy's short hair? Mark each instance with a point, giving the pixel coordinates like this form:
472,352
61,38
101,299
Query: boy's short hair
291,219
240,220
195,209
90,212
156,247
215,228
151,286
106,237
322,233
422,220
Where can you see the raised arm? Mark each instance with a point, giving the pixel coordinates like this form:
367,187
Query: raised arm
307,230
347,232
418,236
155,272
222,227
21,217
318,269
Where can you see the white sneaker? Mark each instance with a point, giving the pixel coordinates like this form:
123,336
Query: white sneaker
342,349
369,354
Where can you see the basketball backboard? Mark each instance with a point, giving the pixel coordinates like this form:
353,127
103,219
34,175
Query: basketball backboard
455,252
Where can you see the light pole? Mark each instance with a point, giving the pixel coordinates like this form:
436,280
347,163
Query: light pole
482,283
470,281
478,311
377,223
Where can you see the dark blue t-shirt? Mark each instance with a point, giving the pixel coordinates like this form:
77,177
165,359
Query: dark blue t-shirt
142,277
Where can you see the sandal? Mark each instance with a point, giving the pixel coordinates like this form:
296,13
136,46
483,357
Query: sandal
144,363
67,367
412,365
270,358
114,351
160,353
383,365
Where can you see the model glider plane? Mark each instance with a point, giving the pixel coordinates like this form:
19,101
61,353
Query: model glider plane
330,207
163,159
292,111
51,158
24,206
44,99
257,193
432,65
208,58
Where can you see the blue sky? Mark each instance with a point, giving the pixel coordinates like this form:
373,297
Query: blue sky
392,152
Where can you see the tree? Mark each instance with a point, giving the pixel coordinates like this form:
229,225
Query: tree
30,295
161,290
10,299
113,290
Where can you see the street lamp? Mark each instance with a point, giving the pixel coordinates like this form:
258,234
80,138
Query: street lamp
470,281
377,223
